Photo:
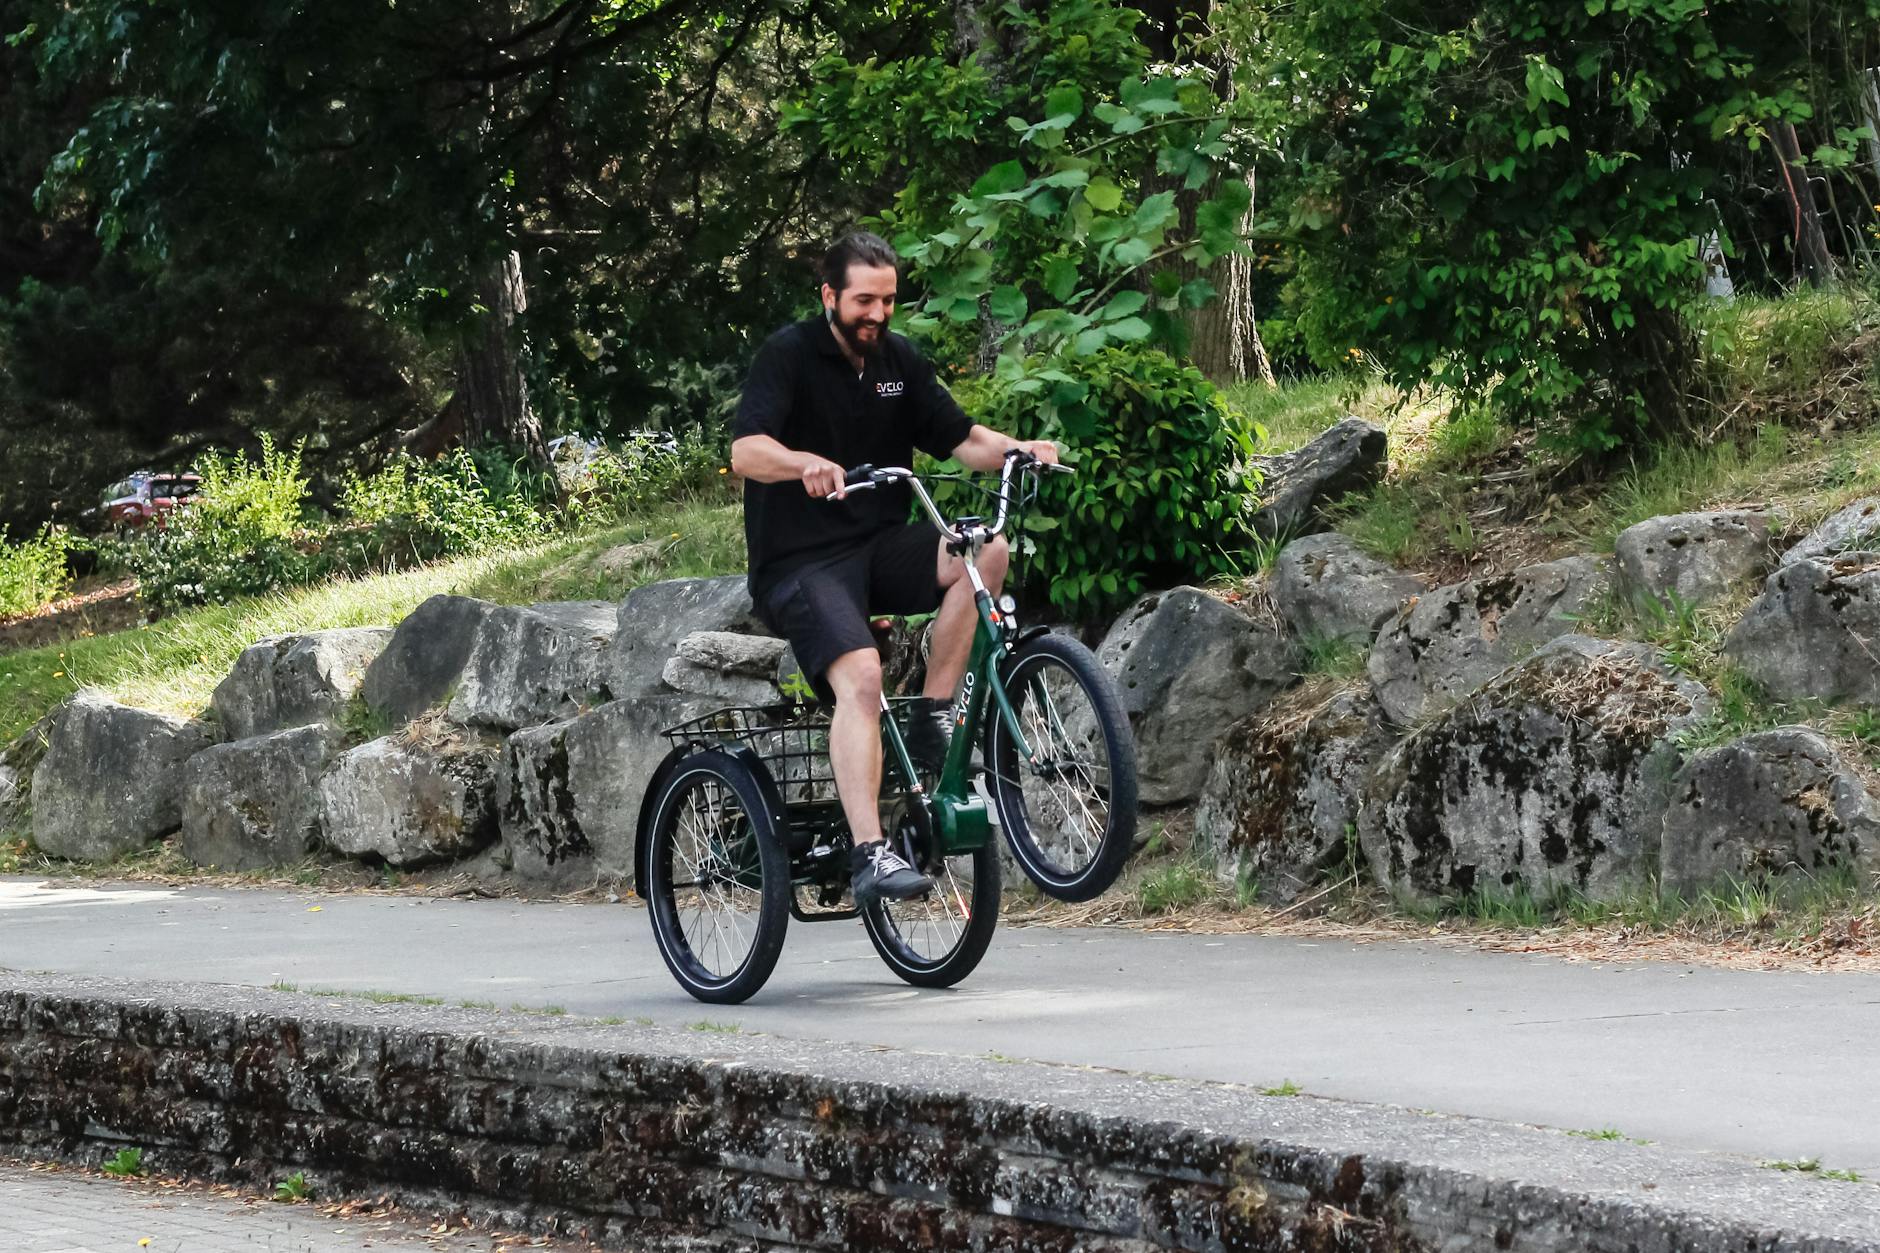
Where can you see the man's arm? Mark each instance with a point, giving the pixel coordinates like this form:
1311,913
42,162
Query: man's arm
762,458
985,449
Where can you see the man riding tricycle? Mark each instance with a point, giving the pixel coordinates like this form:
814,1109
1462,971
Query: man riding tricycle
877,806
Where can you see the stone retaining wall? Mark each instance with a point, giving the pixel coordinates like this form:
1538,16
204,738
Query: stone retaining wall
659,1139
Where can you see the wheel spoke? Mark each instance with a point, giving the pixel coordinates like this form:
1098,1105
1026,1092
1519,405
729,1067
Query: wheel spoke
1064,798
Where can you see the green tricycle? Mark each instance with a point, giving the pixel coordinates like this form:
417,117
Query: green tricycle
741,829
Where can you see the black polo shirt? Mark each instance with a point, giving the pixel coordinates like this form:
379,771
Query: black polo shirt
805,394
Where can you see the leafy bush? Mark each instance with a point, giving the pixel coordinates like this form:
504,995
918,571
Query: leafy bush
240,535
1161,492
32,572
413,510
1507,198
637,475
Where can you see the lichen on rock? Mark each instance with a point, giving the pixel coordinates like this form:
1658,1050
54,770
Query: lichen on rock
1554,775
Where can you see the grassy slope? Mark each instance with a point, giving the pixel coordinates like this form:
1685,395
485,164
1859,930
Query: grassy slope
1795,389
173,665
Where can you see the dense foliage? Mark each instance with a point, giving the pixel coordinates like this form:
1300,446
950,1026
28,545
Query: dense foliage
32,572
1508,199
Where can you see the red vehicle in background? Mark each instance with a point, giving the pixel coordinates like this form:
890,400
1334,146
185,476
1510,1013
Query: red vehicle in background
145,497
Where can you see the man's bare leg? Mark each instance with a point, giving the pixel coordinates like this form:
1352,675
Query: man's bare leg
855,740
951,643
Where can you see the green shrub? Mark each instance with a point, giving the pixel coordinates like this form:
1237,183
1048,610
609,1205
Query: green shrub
413,510
635,476
32,572
241,535
1506,198
1161,492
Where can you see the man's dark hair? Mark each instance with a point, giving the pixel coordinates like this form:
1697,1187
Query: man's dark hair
855,248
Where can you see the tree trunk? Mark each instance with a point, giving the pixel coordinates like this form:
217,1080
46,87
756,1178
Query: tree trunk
1224,335
1812,258
976,34
491,394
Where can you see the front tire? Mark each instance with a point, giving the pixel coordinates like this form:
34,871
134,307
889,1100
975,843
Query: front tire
1070,816
717,878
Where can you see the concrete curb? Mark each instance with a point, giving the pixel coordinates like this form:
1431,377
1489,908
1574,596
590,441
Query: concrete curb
659,1138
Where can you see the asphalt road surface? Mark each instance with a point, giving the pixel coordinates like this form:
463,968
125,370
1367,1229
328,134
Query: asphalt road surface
1767,1065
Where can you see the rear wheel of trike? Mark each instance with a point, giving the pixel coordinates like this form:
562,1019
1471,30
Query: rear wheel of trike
717,879
936,939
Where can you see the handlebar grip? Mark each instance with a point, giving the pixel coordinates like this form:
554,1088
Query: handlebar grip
864,473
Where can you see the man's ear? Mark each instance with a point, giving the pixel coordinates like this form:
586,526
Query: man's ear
829,300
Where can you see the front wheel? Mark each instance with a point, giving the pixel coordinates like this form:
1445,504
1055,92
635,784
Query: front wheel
1068,813
935,940
717,879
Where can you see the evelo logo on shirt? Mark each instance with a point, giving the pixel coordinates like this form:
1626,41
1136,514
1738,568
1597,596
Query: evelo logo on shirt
888,389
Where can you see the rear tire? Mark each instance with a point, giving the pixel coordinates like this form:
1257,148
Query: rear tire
717,879
1070,821
935,940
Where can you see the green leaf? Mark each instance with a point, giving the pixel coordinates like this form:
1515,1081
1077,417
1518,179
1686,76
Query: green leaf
1066,102
1128,330
1005,177
1064,178
1196,293
1089,343
1156,212
1103,195
1122,305
1007,304
962,309
1130,253
1060,277
1120,120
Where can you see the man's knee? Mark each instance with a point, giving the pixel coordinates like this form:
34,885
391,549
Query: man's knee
994,559
855,678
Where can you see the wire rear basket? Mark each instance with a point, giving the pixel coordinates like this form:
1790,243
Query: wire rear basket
791,740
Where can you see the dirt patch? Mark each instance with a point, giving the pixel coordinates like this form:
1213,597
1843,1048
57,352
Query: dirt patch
1847,942
99,608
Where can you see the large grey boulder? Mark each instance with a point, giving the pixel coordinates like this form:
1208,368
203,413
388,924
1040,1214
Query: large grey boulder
1189,667
1852,528
254,803
654,618
111,779
1777,802
533,664
726,666
1280,806
1445,644
1815,631
1555,775
1327,588
1695,557
1295,487
569,793
411,802
295,680
421,666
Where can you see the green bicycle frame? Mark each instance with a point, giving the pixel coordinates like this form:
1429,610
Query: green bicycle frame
961,820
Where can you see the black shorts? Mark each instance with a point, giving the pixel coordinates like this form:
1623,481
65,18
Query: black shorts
823,608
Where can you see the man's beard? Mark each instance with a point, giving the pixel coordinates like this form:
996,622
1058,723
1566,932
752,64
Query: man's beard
846,330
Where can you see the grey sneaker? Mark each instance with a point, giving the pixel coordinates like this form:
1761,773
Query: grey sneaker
881,873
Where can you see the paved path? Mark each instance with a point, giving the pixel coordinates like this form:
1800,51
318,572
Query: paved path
1768,1065
68,1212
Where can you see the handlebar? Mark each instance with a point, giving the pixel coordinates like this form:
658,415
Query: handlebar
863,477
